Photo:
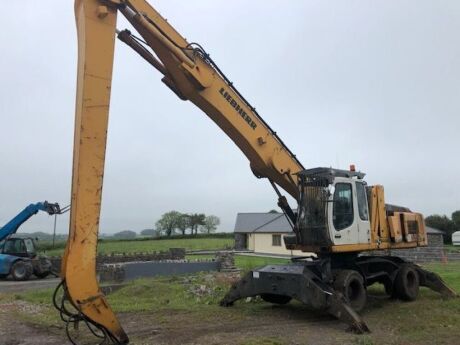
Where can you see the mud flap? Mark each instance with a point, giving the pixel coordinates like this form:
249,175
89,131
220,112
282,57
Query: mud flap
434,282
300,283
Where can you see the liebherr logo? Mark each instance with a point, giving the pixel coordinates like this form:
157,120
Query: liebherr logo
238,108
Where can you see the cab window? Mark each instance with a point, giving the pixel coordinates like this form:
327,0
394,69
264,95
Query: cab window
362,202
14,246
342,213
29,246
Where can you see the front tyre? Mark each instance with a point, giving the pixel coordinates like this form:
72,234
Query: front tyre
21,270
351,285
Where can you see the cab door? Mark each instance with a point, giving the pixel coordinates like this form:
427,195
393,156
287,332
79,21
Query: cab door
343,225
364,226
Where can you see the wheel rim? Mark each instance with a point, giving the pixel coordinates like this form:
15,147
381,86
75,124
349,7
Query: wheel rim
20,271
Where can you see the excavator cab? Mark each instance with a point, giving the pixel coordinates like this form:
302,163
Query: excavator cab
333,209
21,247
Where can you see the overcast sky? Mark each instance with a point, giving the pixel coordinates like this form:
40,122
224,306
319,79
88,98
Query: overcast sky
374,83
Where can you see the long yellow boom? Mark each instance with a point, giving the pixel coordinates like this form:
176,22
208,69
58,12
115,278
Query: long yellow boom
192,75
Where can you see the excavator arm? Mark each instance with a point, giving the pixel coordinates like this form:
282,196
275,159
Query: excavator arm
192,75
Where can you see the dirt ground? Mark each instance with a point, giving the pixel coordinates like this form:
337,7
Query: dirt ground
178,328
276,325
429,320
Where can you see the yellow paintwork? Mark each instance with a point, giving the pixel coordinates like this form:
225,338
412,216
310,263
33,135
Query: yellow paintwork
192,79
385,230
96,34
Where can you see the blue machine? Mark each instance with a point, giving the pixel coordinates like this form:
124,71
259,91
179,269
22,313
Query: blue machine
18,256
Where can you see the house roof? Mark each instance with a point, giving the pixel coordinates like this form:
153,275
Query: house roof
276,223
262,222
430,230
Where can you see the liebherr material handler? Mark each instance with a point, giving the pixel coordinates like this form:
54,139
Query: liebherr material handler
337,215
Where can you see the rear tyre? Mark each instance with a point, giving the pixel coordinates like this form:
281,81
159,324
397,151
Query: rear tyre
21,270
42,275
407,283
351,285
276,299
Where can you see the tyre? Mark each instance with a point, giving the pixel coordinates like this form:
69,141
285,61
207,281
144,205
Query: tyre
41,275
407,283
21,270
276,299
389,290
351,285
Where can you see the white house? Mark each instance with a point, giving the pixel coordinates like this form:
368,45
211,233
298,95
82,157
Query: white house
263,233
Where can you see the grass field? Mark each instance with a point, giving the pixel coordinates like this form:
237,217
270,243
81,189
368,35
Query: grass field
148,246
194,301
451,248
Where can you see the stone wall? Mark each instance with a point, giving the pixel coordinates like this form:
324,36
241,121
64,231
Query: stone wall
434,252
171,254
240,241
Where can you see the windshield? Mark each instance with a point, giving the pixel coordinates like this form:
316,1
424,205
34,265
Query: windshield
29,246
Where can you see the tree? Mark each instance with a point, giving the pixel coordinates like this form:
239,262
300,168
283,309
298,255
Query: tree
210,224
442,223
149,232
273,211
168,222
183,223
456,219
125,234
196,219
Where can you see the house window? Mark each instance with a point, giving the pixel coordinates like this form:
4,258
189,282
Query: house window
276,240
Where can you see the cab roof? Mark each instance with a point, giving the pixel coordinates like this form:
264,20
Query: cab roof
330,173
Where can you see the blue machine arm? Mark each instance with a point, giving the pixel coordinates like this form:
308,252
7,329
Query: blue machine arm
13,225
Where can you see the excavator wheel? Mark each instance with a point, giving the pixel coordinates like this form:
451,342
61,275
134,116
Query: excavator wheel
351,285
407,282
276,299
21,270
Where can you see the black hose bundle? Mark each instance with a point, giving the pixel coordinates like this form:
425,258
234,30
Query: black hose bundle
75,317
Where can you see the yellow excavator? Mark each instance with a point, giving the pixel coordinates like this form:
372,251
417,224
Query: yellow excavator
338,216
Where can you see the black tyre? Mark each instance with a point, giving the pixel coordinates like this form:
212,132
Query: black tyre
351,285
407,283
276,299
389,290
21,270
42,275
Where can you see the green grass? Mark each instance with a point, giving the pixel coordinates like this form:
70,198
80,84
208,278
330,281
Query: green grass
451,248
148,246
244,262
247,263
450,272
428,320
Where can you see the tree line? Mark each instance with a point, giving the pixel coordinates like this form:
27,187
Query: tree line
174,222
446,224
